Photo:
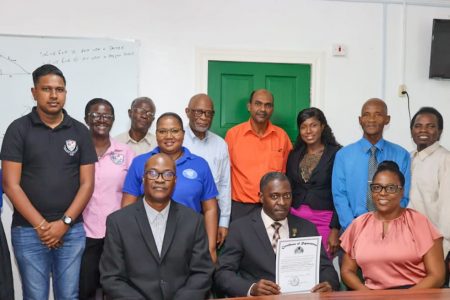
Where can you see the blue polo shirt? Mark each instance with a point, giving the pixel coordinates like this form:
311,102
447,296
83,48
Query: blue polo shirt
195,182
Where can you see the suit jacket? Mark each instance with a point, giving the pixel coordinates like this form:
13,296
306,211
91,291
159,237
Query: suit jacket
131,267
248,256
316,193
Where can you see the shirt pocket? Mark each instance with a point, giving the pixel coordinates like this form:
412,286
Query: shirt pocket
276,161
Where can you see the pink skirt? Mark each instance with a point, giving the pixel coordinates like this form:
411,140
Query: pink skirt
320,218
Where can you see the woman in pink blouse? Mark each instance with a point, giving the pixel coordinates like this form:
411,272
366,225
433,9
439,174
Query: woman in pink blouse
395,247
114,158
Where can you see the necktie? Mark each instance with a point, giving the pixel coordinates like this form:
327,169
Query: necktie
372,168
276,235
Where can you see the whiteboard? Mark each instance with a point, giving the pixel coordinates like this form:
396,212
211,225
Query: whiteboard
93,67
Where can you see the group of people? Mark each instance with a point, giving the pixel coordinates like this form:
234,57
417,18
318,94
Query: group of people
171,215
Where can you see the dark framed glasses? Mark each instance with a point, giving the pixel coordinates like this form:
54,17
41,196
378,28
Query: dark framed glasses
152,174
390,188
200,112
96,116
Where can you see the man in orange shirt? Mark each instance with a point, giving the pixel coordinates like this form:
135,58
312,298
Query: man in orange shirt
255,147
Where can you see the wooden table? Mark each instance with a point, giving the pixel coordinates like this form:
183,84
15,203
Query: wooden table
425,294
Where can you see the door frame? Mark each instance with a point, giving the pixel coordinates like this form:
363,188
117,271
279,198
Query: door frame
315,59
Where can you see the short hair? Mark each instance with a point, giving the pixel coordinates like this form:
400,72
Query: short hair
253,93
390,166
170,114
327,137
271,176
429,110
96,101
46,70
143,99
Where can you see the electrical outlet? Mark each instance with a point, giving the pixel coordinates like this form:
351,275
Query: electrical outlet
402,90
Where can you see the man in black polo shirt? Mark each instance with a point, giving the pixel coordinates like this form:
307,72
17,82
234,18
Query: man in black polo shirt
48,174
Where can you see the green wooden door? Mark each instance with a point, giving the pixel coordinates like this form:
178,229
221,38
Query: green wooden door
231,83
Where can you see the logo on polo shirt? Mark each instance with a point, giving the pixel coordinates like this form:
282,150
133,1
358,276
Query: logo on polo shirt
71,147
117,158
190,174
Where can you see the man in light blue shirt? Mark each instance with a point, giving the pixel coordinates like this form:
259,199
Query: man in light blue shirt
350,170
202,142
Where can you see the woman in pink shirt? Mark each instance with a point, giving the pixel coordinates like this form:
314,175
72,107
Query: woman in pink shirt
395,247
114,158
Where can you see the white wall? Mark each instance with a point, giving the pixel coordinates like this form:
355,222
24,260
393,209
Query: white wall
172,31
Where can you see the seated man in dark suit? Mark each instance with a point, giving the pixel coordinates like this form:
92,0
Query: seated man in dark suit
247,261
156,248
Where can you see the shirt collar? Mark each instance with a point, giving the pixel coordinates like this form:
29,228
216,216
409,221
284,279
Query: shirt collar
147,138
192,135
153,213
427,151
366,145
268,221
36,120
186,154
248,128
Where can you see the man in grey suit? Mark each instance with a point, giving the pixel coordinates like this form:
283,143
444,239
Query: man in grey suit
247,261
156,248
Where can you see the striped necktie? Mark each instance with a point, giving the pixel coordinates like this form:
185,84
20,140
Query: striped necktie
276,235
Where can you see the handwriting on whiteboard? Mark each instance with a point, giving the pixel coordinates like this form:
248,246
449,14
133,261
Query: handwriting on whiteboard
73,55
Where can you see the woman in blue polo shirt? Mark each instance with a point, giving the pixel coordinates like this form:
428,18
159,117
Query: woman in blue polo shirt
195,185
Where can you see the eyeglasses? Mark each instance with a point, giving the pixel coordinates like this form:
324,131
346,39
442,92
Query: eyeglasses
199,112
165,132
390,188
276,196
152,174
143,112
96,116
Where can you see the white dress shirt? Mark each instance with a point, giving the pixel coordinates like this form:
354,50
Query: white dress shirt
430,187
158,222
215,151
147,144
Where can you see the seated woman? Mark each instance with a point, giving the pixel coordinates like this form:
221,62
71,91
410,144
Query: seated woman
309,167
394,247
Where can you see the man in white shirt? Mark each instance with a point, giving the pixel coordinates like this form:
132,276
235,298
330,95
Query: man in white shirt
156,248
430,171
247,260
202,142
142,114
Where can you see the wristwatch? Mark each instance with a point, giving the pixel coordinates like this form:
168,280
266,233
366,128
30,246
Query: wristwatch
67,220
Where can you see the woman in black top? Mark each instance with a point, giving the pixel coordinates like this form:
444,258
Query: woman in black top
309,169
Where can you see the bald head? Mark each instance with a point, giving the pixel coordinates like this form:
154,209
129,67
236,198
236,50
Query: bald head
160,158
200,99
377,102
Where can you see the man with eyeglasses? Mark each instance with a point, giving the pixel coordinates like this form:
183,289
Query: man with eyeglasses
255,147
202,142
138,138
248,259
156,248
48,168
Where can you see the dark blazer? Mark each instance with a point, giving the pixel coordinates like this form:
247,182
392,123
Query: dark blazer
316,193
247,255
131,267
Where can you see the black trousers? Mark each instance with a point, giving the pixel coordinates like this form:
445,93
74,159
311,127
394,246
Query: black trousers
89,271
6,278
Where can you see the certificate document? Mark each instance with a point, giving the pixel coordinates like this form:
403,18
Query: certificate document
298,264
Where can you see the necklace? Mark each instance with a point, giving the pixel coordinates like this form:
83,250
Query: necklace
102,150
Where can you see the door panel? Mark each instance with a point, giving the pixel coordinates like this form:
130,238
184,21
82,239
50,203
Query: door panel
231,83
